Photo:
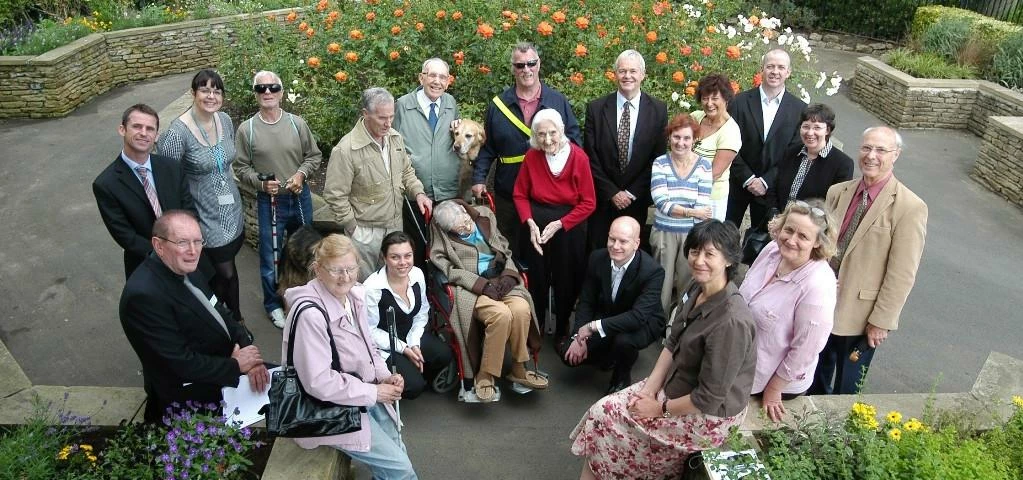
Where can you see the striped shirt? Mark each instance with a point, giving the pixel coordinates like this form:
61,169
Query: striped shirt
687,189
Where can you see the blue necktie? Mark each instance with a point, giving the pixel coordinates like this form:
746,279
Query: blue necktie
433,117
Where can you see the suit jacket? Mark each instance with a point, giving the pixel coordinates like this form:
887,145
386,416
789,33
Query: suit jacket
125,208
759,157
824,172
638,304
185,353
600,141
881,260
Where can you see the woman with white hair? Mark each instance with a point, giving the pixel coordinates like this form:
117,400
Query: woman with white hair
554,196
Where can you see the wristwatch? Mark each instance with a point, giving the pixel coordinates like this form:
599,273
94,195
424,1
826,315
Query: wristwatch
664,409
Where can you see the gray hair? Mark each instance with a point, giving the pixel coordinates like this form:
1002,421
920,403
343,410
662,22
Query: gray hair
630,53
373,96
435,60
446,214
546,115
263,73
523,47
898,138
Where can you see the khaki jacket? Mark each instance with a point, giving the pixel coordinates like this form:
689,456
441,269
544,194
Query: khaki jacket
359,190
880,264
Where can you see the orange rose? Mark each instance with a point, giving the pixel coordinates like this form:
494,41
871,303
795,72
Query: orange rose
638,20
609,75
370,16
441,14
420,26
757,80
309,33
485,30
577,78
686,50
302,26
769,34
341,76
313,62
356,35
733,52
710,5
333,16
506,13
321,5
398,13
395,30
545,29
456,16
651,36
459,57
580,50
291,17
334,48
484,69
678,77
693,83
525,17
582,23
712,29
394,55
661,57
706,51
544,9
696,67
352,57
451,80
506,26
559,17
601,31
691,91
754,20
735,86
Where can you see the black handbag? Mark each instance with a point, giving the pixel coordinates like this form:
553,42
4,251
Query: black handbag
756,238
292,412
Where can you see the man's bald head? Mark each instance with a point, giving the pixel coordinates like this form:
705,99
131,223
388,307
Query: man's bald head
623,239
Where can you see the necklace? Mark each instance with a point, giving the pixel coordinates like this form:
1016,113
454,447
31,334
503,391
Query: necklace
202,128
279,116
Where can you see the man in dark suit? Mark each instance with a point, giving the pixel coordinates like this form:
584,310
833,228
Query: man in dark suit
123,189
619,311
189,344
768,118
623,134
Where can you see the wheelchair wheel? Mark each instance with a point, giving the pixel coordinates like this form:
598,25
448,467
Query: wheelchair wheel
447,379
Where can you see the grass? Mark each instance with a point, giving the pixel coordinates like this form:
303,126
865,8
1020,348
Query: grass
928,65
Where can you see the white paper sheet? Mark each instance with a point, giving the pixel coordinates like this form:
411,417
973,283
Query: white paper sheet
246,401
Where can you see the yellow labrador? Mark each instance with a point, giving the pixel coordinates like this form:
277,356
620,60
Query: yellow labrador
468,138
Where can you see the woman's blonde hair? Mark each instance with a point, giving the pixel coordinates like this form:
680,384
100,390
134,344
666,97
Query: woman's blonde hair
817,212
334,245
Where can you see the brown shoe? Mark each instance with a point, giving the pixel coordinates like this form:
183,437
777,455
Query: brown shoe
530,380
485,389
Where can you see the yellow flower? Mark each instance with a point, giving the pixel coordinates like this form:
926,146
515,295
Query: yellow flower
1017,401
895,434
64,452
893,417
86,447
913,425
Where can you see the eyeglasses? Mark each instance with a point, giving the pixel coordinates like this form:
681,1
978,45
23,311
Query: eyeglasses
337,272
211,92
866,149
263,87
530,64
815,211
184,244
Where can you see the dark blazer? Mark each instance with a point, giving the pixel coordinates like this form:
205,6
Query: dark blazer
824,172
638,306
177,340
758,157
125,208
600,141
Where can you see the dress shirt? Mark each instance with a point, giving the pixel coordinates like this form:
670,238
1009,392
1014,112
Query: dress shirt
375,285
133,165
424,102
617,273
385,154
872,192
557,161
770,106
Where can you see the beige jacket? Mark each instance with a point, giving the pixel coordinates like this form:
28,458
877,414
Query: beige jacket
359,190
880,264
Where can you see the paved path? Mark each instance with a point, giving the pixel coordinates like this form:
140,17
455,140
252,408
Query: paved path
61,278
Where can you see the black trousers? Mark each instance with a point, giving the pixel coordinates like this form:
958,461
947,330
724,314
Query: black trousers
739,198
560,268
508,222
599,224
617,352
836,374
414,224
436,355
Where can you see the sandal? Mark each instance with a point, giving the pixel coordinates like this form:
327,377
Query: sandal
532,380
485,390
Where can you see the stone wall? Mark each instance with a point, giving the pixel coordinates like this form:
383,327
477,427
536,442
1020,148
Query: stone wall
994,101
999,165
849,43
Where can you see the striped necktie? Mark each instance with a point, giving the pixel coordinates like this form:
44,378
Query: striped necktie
854,223
150,191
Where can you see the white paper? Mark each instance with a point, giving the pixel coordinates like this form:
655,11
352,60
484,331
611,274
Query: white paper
745,466
246,401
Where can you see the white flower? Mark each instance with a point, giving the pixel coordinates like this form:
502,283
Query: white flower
747,27
836,80
788,30
684,104
674,96
782,39
803,94
820,81
730,31
292,96
294,82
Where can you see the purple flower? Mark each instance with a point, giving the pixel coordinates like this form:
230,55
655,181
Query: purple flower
169,469
201,428
165,458
220,452
205,468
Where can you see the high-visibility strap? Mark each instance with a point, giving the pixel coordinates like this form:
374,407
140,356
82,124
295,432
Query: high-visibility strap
512,118
517,159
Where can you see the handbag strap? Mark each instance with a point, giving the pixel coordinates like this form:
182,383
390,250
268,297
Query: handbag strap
335,361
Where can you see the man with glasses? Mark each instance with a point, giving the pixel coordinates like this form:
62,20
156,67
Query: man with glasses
880,242
135,189
279,143
506,123
188,342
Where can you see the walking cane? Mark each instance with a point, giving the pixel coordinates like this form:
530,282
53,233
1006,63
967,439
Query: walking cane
273,223
392,334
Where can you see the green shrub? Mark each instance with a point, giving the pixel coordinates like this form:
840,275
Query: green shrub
49,35
886,19
1007,64
927,65
947,36
14,12
793,12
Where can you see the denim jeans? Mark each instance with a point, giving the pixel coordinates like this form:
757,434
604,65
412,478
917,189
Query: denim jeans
386,458
292,212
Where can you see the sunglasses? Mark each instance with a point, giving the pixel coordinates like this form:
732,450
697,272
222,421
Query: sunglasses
530,64
815,211
263,87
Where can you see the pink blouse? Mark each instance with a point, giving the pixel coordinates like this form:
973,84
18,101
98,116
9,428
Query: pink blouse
794,316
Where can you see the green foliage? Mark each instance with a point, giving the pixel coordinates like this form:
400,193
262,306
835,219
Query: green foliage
13,12
795,13
886,19
946,37
28,451
1007,64
49,35
927,65
1004,443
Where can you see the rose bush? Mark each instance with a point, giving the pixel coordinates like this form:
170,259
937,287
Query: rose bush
331,50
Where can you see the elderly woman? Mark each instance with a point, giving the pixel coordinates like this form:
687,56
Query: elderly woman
817,165
791,290
720,138
470,250
401,286
364,379
553,196
202,139
700,385
680,185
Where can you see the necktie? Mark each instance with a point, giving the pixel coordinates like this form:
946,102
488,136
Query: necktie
150,191
847,235
616,281
623,137
206,303
433,117
804,167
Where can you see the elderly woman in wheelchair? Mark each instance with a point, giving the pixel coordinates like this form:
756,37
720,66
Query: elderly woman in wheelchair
491,306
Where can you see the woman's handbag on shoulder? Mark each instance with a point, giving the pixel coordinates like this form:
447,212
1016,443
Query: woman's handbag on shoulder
294,413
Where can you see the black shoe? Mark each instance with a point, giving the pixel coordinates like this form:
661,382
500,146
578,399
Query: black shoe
619,382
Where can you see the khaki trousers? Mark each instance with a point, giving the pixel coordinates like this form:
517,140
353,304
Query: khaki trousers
504,322
668,248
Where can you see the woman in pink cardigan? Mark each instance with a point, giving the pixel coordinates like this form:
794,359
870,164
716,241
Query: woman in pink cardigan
364,379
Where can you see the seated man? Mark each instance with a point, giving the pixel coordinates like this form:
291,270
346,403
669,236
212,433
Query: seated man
470,250
619,311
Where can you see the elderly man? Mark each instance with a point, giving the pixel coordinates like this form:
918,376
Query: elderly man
619,311
368,177
188,342
423,116
623,134
135,189
272,146
506,123
768,118
880,243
